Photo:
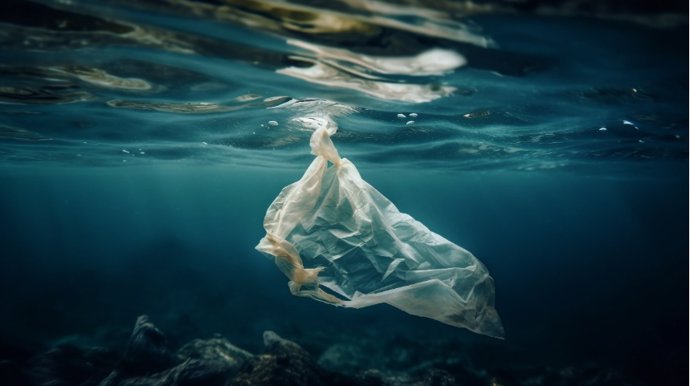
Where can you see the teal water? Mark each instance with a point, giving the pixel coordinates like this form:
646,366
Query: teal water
141,143
143,83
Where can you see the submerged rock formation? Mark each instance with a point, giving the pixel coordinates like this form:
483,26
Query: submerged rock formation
149,359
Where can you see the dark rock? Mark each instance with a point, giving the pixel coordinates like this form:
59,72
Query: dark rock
149,361
271,370
285,363
432,377
192,372
195,372
147,350
276,345
215,349
70,365
371,378
435,377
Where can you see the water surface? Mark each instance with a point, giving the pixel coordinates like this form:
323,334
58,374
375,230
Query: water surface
141,143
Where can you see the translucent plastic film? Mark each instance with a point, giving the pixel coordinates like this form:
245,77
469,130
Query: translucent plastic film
340,241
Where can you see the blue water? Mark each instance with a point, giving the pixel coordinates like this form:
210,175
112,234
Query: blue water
137,161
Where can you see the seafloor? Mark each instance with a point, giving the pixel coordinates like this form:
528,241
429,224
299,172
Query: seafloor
150,358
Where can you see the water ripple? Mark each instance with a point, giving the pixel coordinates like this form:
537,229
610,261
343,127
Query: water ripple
496,85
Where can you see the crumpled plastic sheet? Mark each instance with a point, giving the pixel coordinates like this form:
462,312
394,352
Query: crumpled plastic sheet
340,241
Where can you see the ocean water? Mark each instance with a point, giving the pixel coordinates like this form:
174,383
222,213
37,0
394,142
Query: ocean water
141,143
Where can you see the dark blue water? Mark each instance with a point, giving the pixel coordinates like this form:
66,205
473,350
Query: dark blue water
137,162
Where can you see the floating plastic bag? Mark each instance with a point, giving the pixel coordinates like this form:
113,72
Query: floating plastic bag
342,242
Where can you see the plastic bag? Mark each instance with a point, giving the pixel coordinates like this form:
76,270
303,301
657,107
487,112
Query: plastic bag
340,241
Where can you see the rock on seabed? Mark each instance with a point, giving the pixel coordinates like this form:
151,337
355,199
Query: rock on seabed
149,360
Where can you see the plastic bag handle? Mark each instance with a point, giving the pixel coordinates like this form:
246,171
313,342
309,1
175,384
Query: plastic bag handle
322,146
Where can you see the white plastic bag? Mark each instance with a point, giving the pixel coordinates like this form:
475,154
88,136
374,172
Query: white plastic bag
342,242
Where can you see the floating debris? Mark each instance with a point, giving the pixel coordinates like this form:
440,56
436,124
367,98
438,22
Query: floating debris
379,229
